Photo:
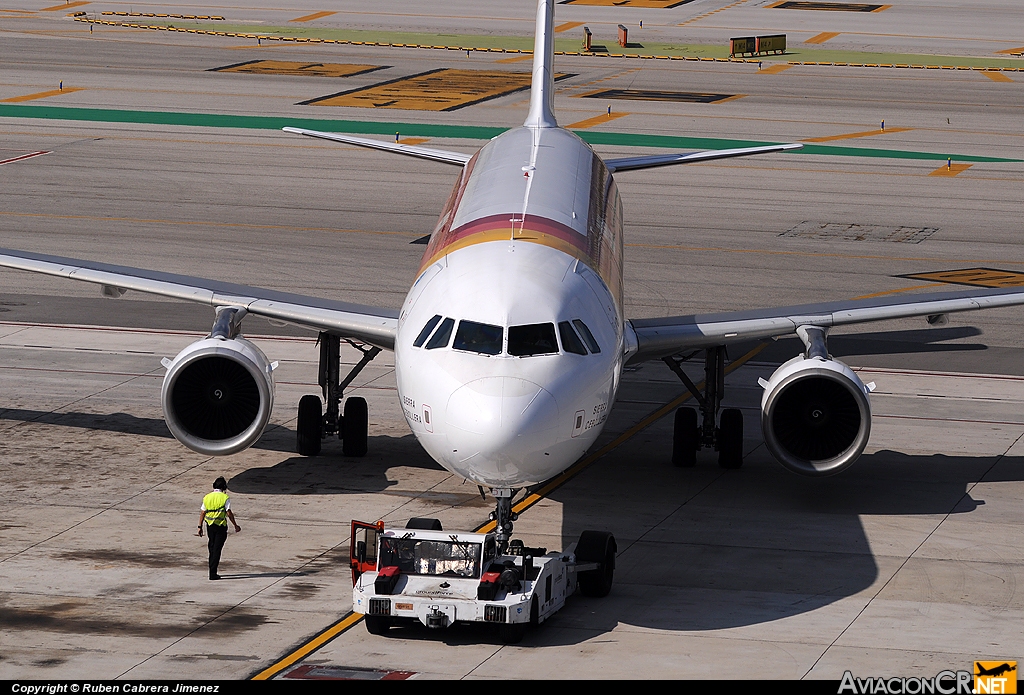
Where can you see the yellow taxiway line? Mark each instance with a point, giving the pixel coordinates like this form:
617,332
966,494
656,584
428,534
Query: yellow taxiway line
596,120
774,69
885,292
864,134
951,170
516,59
66,6
995,76
309,647
823,37
311,17
41,95
567,26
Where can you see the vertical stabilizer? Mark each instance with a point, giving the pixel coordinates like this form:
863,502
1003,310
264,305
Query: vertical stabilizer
542,91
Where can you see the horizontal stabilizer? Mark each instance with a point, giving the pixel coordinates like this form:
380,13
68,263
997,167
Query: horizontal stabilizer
661,160
445,156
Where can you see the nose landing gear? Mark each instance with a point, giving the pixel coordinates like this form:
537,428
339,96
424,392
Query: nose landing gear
503,516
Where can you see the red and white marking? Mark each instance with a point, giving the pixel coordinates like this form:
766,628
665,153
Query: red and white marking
24,156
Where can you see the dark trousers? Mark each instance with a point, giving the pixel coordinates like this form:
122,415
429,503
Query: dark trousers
217,534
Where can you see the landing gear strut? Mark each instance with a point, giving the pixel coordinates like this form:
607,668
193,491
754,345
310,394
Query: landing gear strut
313,424
503,516
689,437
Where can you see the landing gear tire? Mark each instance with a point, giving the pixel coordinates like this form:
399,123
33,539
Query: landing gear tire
685,442
310,426
354,426
512,633
730,437
377,625
599,547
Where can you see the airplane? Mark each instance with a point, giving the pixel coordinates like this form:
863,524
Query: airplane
510,344
995,671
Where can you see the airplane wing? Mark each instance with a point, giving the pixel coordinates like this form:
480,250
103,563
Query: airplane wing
660,160
446,156
365,324
660,337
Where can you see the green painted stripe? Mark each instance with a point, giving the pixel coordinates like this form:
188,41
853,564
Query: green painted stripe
676,143
431,130
216,120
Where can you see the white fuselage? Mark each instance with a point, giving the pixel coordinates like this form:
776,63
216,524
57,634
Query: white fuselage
531,237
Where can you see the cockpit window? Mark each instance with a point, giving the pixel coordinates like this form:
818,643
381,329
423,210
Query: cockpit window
442,335
426,330
587,336
478,337
570,341
535,339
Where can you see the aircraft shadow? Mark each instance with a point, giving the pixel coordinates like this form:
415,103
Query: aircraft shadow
332,473
759,544
705,548
275,437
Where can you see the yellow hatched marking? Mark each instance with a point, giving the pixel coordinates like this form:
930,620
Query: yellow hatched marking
309,647
57,8
567,26
1008,51
865,134
774,69
288,67
439,90
951,170
734,97
311,17
596,120
823,37
413,141
41,95
995,76
516,59
976,277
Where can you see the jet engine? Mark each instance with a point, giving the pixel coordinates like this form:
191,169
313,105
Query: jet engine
217,395
815,415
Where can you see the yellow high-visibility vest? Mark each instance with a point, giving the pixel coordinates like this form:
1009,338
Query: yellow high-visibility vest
215,505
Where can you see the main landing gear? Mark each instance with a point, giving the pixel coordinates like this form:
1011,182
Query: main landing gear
314,424
688,436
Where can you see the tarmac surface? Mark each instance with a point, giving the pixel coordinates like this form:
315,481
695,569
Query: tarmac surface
905,565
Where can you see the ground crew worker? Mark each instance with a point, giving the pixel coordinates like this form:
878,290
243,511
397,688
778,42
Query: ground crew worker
216,512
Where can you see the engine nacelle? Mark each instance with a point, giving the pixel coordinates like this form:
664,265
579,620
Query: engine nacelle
815,415
217,395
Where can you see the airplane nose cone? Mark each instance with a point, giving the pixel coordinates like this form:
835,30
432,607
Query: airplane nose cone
499,420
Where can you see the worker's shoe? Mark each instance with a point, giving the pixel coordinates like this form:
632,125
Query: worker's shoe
214,576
